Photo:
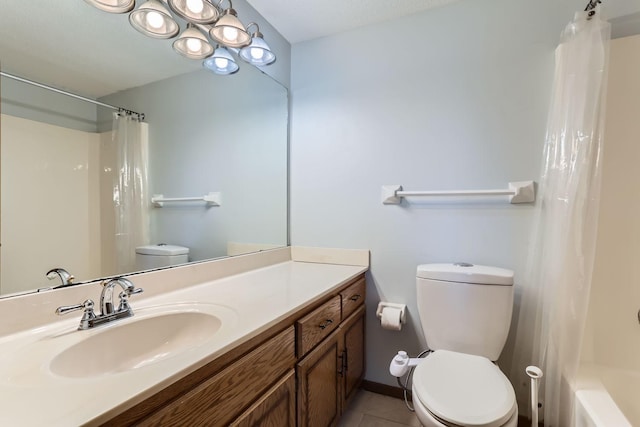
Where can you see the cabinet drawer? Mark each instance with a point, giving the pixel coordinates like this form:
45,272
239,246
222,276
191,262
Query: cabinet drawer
353,297
312,328
220,398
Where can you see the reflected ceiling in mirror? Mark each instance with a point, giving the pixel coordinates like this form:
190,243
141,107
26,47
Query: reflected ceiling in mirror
74,46
206,133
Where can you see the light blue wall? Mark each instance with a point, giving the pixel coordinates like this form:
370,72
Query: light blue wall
452,98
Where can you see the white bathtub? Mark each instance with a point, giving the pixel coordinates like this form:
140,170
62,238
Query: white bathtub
607,397
609,393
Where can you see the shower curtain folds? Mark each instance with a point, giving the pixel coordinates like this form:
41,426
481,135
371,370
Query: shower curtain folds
557,279
130,188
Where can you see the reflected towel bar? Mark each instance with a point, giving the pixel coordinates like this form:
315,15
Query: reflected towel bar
211,199
518,192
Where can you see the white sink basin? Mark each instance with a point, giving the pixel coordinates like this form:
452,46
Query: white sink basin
135,343
158,338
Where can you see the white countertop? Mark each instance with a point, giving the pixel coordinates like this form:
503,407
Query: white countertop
248,303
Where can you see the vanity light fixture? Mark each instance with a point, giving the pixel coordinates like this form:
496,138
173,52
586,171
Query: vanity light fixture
258,52
113,6
205,23
229,31
221,62
154,20
193,44
196,11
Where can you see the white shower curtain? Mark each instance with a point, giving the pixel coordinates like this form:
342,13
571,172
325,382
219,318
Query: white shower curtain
130,189
557,282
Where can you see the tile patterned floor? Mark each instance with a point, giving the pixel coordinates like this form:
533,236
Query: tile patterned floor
375,410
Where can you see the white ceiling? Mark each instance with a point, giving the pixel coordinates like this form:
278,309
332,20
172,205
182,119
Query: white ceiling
74,46
300,20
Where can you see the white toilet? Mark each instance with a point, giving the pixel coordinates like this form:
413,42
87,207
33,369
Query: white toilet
162,255
465,312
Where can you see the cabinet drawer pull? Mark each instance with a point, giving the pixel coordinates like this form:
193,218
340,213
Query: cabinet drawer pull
325,324
356,297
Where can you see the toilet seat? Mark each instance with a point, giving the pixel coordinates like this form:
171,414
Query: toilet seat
463,389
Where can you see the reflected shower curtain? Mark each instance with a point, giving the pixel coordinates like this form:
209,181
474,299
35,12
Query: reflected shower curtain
558,278
130,189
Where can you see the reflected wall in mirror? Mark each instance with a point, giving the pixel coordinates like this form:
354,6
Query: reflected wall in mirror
206,133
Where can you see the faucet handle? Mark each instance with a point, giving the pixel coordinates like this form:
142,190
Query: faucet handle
124,298
86,317
87,305
134,291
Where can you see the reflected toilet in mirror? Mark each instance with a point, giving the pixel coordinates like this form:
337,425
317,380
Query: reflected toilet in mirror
162,255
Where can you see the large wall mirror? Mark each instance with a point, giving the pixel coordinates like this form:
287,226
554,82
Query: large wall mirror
204,133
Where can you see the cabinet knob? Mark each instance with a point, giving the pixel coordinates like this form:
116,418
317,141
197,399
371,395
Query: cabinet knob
355,297
325,324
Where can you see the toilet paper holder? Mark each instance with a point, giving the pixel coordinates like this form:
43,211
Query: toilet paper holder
401,307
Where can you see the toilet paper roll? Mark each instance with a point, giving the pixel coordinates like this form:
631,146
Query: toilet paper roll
390,318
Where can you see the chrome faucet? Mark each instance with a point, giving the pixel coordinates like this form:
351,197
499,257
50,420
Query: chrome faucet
108,314
106,297
65,277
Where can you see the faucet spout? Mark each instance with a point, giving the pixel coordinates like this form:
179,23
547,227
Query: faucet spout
106,297
65,277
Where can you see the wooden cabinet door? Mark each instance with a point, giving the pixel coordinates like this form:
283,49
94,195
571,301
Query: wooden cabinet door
319,384
277,408
352,331
221,398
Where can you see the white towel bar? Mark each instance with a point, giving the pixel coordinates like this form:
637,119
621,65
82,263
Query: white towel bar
211,199
518,192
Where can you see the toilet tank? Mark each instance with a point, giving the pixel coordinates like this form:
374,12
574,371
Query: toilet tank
465,308
162,255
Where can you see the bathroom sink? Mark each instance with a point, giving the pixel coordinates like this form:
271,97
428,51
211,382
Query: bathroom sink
135,343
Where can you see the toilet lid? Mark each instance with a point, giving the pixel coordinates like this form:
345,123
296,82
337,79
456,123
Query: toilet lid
464,389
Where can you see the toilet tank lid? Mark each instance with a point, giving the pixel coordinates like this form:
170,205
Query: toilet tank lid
461,272
162,249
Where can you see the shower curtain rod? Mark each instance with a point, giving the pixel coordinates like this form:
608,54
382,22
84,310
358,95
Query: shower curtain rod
72,95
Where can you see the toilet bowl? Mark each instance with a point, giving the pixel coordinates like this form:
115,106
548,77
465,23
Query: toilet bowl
457,389
465,313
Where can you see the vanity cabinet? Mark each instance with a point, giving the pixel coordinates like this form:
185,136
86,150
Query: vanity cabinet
277,408
217,400
329,375
301,371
